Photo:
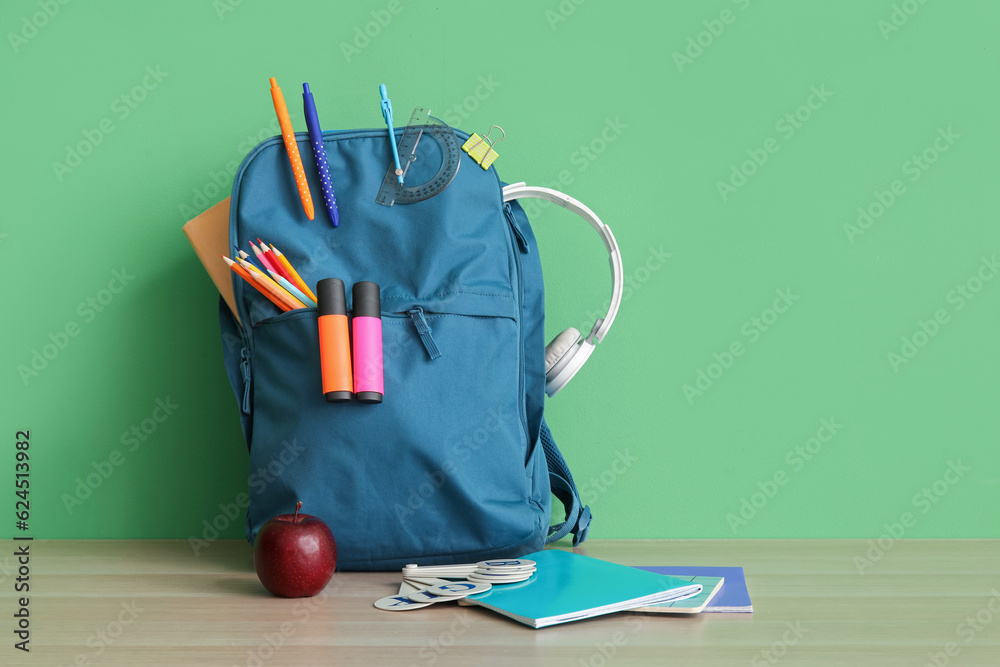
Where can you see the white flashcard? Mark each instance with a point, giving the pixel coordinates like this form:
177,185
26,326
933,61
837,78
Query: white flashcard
399,603
457,589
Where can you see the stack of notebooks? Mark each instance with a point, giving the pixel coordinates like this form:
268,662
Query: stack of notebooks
571,587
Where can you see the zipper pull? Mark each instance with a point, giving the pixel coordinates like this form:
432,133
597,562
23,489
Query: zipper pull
424,330
245,370
521,241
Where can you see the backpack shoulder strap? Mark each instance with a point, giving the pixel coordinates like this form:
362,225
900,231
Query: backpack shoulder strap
578,515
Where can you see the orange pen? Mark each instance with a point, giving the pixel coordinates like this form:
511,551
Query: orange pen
293,148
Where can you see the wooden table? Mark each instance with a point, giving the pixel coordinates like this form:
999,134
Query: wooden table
147,603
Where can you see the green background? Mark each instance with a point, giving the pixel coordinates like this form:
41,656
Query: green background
640,110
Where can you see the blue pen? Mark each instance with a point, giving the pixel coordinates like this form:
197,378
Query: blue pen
387,114
319,153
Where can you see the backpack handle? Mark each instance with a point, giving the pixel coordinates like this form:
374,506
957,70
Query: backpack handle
570,357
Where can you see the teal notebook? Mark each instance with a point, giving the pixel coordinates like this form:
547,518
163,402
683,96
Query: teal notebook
570,587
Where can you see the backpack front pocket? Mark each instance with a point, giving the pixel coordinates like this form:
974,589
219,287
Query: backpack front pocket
435,470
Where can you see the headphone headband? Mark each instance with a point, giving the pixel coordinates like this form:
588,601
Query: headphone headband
602,325
563,373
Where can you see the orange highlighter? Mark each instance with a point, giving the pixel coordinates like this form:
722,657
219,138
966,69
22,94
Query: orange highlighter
293,148
334,341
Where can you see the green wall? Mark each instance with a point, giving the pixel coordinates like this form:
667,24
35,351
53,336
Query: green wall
781,366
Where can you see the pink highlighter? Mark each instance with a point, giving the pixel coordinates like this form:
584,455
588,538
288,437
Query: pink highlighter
366,329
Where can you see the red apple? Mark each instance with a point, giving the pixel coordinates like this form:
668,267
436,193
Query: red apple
295,555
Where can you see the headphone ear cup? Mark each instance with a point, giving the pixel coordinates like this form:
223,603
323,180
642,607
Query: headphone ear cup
559,346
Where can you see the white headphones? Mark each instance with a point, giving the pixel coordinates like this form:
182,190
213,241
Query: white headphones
569,351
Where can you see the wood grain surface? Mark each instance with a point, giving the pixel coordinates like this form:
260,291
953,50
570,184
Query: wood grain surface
817,602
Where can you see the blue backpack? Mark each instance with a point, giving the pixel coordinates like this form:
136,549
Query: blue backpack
457,463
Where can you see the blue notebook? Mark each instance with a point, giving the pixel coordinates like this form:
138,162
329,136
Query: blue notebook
734,596
570,587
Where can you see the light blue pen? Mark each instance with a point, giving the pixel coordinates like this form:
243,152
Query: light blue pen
292,289
387,114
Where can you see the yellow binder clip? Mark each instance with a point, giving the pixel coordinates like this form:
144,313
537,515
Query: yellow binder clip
481,148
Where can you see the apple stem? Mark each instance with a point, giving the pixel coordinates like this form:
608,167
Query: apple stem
298,506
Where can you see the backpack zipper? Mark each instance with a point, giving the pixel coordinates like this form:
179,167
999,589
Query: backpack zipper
519,244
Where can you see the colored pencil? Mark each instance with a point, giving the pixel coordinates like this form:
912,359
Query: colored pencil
288,134
245,275
249,266
262,258
273,287
293,274
275,264
293,290
245,257
277,291
239,270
